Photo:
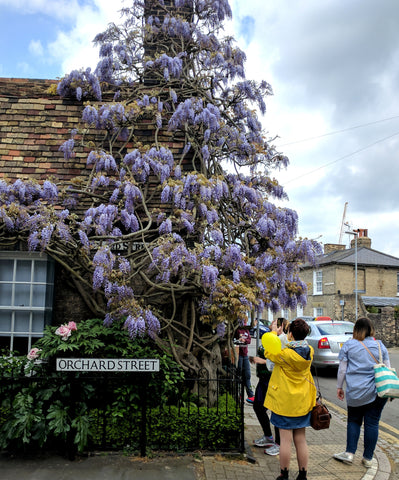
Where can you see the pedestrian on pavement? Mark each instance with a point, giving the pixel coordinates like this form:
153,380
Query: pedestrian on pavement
357,359
242,338
264,370
271,445
291,395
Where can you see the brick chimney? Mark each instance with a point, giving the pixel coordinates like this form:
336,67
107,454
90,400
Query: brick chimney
157,44
362,239
332,247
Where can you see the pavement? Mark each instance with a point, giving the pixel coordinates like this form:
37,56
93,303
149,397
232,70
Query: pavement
254,464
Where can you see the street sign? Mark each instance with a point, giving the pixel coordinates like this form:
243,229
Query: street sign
107,365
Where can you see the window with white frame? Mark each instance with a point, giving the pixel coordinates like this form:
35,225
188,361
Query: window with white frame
270,315
26,298
299,311
318,282
318,312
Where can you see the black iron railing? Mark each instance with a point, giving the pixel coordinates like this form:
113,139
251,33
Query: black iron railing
118,411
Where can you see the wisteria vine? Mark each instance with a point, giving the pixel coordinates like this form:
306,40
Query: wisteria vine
182,237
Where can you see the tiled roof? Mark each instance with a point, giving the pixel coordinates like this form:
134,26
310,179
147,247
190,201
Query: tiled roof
381,301
365,257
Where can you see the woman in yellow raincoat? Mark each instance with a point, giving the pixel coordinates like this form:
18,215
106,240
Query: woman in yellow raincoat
291,396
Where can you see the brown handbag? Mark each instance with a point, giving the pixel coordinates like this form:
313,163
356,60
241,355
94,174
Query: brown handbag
320,416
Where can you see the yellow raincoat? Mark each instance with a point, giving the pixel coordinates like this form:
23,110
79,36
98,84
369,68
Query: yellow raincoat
291,391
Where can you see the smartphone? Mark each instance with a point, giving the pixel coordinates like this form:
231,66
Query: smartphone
279,322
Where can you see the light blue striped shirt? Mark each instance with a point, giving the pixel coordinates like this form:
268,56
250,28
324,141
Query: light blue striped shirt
360,387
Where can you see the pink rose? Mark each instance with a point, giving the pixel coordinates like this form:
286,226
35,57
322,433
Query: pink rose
63,331
72,326
33,354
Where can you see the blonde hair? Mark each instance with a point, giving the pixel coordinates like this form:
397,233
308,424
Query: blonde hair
363,328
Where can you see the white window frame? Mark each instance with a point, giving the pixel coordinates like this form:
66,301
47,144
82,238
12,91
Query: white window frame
299,310
318,312
318,282
32,310
270,315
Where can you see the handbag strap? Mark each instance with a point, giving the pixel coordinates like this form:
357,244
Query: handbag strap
379,350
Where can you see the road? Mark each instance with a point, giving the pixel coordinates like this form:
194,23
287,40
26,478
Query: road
390,414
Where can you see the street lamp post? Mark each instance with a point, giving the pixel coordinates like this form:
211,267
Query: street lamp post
355,234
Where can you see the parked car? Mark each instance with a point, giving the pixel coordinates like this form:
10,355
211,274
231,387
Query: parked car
327,338
263,328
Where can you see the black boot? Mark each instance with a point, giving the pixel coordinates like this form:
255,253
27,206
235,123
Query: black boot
302,475
283,475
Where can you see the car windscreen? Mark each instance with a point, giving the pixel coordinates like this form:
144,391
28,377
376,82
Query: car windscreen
335,329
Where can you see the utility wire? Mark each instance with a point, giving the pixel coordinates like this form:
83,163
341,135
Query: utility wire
338,131
342,158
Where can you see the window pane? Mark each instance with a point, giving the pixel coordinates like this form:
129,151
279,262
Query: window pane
23,273
21,322
49,295
39,295
335,329
22,295
38,322
6,270
5,322
21,345
5,294
39,273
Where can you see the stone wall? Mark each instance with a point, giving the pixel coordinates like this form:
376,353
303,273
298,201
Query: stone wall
386,326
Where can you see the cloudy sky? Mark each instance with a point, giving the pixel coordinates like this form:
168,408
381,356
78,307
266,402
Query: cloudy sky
334,69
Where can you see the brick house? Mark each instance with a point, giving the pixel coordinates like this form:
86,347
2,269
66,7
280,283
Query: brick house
33,288
331,284
34,123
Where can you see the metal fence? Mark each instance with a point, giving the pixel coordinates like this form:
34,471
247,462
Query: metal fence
130,411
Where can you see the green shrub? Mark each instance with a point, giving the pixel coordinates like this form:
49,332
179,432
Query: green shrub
43,408
53,409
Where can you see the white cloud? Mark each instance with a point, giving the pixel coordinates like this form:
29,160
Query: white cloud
59,9
73,48
332,65
36,48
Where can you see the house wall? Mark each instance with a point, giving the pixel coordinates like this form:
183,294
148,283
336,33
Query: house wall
34,123
68,305
339,286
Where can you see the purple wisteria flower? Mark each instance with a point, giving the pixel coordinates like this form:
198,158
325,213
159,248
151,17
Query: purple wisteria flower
209,276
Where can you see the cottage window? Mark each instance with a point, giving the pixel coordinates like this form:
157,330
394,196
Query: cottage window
26,297
318,312
317,282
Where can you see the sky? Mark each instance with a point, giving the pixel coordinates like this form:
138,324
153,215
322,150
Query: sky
334,69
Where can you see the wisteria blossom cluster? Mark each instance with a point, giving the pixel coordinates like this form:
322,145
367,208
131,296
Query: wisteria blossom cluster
179,233
64,331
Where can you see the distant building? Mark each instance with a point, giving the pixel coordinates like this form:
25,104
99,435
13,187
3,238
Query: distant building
331,284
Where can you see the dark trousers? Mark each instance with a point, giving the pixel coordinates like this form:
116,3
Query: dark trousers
369,415
261,411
